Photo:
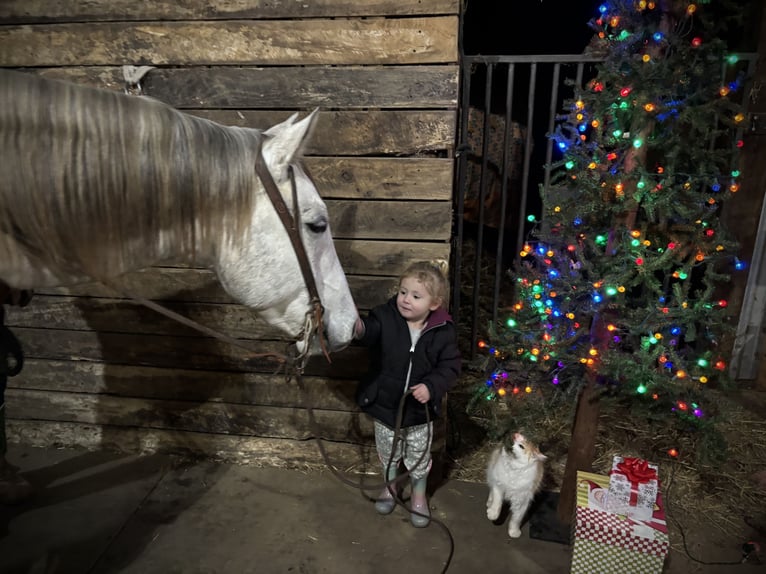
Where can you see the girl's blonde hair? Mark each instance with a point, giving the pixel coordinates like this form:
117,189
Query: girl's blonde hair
433,275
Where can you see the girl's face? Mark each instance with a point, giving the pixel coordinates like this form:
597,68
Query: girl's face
414,301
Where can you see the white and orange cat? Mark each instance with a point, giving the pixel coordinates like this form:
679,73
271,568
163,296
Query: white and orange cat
514,475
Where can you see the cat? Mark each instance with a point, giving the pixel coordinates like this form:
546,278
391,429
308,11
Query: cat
514,476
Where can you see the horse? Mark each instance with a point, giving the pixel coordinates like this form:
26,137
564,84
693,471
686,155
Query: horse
97,183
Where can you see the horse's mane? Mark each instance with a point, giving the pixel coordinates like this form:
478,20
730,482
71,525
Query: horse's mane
93,179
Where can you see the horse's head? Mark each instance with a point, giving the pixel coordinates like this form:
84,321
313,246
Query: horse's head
262,269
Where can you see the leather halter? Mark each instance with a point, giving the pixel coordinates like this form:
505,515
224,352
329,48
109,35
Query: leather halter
313,324
292,225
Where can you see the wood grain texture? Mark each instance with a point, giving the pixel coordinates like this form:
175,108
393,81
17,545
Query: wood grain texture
382,178
386,259
178,352
184,384
408,221
124,316
284,87
212,417
342,41
32,11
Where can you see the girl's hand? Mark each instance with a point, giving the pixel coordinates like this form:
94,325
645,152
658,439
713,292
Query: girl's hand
359,328
421,393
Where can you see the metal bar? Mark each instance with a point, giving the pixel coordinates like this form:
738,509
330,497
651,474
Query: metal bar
503,189
527,153
579,74
551,124
532,59
462,157
482,197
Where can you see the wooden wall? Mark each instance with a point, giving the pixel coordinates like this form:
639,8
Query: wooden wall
103,372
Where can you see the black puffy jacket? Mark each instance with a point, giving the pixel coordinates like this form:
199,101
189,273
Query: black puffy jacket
435,360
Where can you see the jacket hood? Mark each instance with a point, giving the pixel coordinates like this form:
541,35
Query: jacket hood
437,317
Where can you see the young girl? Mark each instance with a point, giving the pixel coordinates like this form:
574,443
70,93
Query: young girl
413,352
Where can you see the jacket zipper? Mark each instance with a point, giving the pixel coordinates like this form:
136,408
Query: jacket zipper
412,353
409,368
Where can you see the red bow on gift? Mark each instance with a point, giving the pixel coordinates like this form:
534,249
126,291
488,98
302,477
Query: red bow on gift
637,471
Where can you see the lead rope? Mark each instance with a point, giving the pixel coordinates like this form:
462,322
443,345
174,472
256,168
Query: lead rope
282,359
390,484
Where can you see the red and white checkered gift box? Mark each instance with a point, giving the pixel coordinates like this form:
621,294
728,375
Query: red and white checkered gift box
605,542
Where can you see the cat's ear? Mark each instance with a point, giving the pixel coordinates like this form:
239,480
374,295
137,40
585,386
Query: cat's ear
541,457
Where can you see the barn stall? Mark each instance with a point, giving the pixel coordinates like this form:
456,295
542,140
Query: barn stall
104,372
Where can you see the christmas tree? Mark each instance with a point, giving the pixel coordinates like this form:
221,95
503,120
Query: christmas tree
620,285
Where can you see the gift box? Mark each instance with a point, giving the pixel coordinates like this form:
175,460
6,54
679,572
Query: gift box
633,487
605,542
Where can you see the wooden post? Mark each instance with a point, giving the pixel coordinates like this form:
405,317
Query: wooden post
582,448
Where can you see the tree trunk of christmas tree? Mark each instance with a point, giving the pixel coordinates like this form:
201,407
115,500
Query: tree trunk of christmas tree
582,448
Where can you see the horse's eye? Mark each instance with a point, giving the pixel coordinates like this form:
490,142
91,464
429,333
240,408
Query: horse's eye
319,226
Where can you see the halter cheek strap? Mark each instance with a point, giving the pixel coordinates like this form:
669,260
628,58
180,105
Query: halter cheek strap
293,228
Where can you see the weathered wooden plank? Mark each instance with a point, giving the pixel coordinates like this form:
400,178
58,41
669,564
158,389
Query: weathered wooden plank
124,316
284,87
184,384
239,449
342,41
385,259
381,178
349,132
172,283
209,417
178,352
388,258
199,286
410,220
32,11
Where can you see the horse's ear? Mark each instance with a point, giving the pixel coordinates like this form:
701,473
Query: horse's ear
285,142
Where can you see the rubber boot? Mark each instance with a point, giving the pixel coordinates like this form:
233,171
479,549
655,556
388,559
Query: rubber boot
421,515
386,503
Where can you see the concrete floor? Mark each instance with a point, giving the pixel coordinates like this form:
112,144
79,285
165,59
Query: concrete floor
100,512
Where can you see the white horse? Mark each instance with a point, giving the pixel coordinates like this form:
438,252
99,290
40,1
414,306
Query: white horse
97,183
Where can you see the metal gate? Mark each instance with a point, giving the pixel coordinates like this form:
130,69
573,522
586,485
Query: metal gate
508,106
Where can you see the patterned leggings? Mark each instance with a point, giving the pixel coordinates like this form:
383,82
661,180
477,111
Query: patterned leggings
414,445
